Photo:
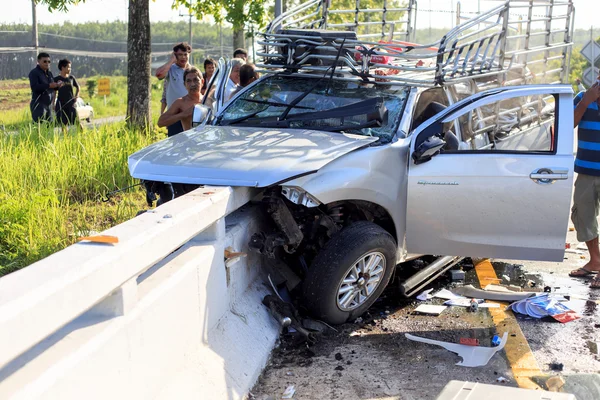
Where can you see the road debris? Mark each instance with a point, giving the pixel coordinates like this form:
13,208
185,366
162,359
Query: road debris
496,341
430,309
556,366
105,239
473,305
425,295
502,379
289,392
447,295
470,291
545,305
457,274
555,383
472,356
469,341
466,302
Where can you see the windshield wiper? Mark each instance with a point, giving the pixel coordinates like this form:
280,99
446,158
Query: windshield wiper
275,103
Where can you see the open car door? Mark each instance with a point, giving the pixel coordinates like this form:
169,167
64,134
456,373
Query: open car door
215,90
492,176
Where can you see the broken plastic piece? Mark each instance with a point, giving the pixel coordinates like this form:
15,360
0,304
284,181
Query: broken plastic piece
457,274
471,356
470,291
289,392
501,379
100,239
425,295
469,341
448,295
496,341
430,309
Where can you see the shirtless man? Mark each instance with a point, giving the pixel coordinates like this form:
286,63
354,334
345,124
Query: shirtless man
182,109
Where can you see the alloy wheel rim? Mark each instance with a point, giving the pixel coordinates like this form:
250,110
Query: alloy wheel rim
360,281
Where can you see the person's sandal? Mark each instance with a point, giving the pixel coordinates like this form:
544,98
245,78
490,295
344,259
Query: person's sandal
581,272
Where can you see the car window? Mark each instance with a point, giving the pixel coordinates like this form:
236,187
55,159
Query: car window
517,124
271,97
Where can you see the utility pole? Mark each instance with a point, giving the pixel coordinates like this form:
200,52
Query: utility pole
34,27
190,15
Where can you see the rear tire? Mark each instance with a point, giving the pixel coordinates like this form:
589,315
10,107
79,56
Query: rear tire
349,273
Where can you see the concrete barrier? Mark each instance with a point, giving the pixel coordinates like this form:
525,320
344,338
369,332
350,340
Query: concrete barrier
161,314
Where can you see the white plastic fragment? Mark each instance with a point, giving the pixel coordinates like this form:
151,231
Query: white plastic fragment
430,309
472,356
425,295
502,379
448,295
289,392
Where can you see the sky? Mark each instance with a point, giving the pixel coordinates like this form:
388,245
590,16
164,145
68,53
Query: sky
587,12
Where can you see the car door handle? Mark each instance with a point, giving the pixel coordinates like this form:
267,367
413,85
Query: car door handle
546,176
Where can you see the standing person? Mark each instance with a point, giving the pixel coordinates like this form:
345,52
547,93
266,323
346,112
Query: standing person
182,109
241,53
234,78
248,74
65,103
42,85
586,199
172,72
209,70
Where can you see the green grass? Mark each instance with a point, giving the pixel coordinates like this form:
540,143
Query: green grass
52,183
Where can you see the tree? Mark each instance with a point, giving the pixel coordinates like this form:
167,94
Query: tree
237,12
138,58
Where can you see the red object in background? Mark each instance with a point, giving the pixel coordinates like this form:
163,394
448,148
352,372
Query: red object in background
469,341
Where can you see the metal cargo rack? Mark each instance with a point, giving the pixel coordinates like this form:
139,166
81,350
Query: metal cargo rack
533,37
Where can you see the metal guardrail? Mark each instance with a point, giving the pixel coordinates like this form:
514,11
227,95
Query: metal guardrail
301,41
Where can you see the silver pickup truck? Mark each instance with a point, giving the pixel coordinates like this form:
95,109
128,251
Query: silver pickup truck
368,152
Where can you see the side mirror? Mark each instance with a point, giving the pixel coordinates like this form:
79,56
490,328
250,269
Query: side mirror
200,114
429,148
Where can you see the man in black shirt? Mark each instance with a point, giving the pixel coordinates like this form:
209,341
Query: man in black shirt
42,88
65,103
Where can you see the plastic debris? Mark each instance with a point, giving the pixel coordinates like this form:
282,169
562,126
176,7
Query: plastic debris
470,291
502,379
425,295
106,239
556,366
457,274
496,341
473,305
506,278
465,302
289,392
430,309
555,383
448,295
469,341
472,356
545,305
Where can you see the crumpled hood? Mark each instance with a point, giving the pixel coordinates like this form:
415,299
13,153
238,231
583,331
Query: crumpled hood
238,156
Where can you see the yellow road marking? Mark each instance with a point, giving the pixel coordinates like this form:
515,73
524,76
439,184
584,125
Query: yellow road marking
519,355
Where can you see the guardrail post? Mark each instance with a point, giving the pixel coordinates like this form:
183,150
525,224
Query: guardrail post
119,302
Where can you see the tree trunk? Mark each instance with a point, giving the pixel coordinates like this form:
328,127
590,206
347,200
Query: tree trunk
138,64
239,40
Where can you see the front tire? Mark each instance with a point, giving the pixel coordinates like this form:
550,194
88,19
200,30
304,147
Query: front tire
349,273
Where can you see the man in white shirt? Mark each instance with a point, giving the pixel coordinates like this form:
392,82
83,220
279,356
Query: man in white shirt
234,77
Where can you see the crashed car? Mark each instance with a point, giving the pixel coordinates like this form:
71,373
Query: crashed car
367,156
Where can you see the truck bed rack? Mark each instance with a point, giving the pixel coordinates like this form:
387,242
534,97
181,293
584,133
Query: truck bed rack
531,36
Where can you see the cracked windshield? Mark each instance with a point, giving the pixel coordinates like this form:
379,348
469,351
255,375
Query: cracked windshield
320,104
